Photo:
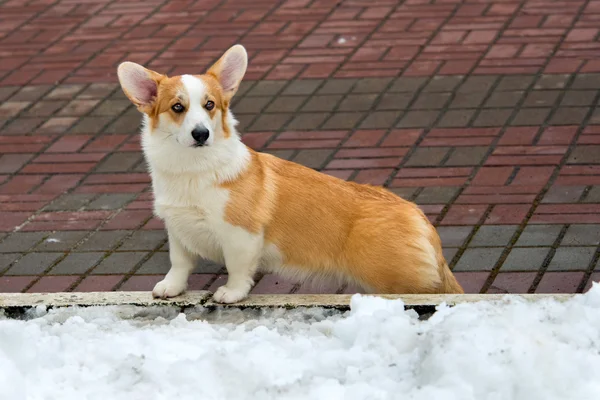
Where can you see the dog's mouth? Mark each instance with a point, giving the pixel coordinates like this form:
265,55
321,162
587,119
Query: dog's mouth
199,145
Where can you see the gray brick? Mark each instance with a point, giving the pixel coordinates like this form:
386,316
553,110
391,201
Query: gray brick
585,154
143,240
431,101
525,259
504,99
98,91
380,120
33,264
474,83
456,118
467,100
302,87
358,102
443,83
251,105
582,235
586,81
539,235
61,241
418,119
482,259
515,82
454,236
70,202
307,122
21,241
492,118
436,195
286,104
405,193
552,82
563,194
31,93
102,241
159,263
531,116
569,115
93,124
579,98
283,154
266,88
322,103
394,101
119,162
343,120
112,201
337,86
572,259
111,107
10,163
371,85
128,122
466,156
541,98
270,122
407,84
312,158
449,253
427,156
6,259
493,235
208,267
76,263
593,195
119,263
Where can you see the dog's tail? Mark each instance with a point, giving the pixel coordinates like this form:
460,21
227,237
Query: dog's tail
449,283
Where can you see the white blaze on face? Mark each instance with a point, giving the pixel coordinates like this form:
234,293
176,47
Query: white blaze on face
196,115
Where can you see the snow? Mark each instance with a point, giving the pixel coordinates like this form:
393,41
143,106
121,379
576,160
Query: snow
505,350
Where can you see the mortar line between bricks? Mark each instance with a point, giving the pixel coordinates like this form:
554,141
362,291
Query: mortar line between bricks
551,252
537,201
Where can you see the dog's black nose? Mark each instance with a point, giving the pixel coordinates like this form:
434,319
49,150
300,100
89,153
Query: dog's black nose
200,135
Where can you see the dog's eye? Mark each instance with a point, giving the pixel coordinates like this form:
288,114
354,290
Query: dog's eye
209,105
178,108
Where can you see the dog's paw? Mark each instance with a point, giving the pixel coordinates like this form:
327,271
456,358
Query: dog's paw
229,295
168,288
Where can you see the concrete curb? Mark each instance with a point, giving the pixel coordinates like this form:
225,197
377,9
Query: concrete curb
15,304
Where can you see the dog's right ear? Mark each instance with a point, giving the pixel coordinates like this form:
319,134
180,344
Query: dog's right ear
139,84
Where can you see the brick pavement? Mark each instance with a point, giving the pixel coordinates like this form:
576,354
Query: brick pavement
481,112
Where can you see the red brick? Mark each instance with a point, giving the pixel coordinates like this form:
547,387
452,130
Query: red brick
402,137
495,199
568,209
371,152
512,282
582,35
565,219
58,168
128,219
557,135
560,282
98,283
14,284
116,188
59,184
354,163
20,184
471,282
492,176
343,174
44,226
97,179
272,284
512,214
447,172
256,140
68,144
464,215
364,138
374,176
594,278
154,224
429,182
105,143
533,176
52,284
69,158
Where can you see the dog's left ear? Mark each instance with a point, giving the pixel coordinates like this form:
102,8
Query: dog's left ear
230,69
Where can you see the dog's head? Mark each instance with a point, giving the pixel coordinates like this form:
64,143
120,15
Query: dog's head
191,110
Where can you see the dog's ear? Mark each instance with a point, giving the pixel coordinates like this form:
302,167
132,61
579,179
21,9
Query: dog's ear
139,84
230,69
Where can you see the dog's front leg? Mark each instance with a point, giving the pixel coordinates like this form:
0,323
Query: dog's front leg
183,263
241,260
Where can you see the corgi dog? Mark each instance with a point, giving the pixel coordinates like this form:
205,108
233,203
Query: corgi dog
251,211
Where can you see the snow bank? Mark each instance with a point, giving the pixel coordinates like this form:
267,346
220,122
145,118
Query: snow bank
508,350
